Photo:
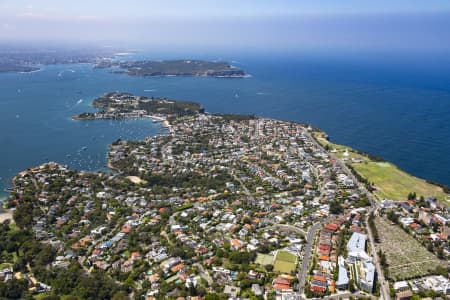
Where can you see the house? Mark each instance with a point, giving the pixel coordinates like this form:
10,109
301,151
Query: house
126,228
400,286
236,244
404,295
445,232
332,227
231,290
406,207
257,290
177,267
281,284
425,217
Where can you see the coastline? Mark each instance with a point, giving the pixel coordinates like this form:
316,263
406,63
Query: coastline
110,166
388,180
5,214
164,124
409,182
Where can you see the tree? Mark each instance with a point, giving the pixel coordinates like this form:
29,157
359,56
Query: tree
51,297
13,289
23,215
383,261
269,268
121,295
335,208
351,286
212,296
392,216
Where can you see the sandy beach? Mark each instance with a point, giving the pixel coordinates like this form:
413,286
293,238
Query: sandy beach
5,215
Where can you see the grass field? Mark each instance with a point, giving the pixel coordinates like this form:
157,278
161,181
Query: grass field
406,257
264,259
285,262
391,182
395,184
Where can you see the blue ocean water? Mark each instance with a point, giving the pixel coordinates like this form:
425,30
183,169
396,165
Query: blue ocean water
394,107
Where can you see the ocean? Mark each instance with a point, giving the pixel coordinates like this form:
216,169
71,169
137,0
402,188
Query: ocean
396,107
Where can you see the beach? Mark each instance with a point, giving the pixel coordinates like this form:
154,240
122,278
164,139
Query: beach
5,215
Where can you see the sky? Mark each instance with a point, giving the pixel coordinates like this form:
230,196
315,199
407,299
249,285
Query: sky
414,25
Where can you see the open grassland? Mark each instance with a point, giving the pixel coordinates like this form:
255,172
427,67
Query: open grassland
405,256
285,262
395,184
390,182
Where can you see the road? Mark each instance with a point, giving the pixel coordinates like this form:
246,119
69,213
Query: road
348,295
384,285
303,272
246,191
310,237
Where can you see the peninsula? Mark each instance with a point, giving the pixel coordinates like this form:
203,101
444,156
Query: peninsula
200,68
119,105
222,206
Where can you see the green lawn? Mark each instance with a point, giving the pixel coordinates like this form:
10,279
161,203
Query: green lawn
264,259
395,184
285,262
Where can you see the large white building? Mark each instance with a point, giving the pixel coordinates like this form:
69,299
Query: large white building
362,262
342,282
356,248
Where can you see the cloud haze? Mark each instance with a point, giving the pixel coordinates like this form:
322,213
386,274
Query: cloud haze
286,24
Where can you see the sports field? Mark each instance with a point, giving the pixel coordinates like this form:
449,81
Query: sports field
285,262
264,259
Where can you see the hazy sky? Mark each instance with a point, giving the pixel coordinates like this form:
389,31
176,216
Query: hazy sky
264,24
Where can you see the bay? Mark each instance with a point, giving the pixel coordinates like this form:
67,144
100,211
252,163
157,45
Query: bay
396,108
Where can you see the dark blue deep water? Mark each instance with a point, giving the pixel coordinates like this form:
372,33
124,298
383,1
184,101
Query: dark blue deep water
396,107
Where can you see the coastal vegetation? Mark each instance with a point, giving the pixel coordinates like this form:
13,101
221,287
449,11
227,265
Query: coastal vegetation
120,105
386,179
393,183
